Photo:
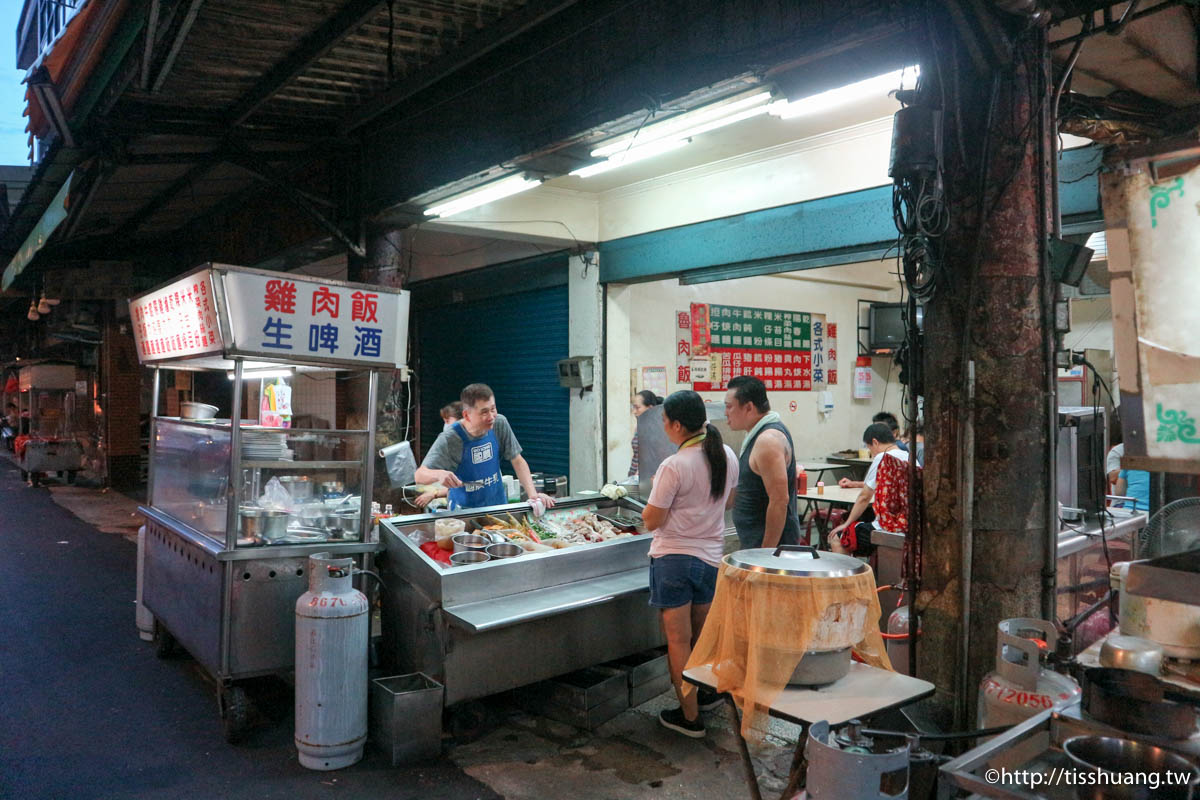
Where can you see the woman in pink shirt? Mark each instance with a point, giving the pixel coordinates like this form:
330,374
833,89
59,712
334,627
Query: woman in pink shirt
686,511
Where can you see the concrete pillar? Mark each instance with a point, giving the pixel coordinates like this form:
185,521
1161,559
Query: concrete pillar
618,388
996,285
585,301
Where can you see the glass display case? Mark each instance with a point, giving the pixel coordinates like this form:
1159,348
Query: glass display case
319,474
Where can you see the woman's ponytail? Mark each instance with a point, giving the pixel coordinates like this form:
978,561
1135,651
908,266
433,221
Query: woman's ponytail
714,451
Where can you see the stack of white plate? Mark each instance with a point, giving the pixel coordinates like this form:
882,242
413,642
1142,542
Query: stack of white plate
265,446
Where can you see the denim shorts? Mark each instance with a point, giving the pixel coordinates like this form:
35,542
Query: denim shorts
677,579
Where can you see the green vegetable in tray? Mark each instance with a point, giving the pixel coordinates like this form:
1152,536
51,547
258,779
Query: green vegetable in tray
541,530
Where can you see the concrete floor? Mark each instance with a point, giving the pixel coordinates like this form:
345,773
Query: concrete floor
91,713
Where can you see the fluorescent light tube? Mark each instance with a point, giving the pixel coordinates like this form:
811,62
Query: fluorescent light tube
262,373
878,86
488,193
631,156
687,125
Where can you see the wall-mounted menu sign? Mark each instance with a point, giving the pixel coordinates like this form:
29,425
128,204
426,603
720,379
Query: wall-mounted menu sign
178,320
787,350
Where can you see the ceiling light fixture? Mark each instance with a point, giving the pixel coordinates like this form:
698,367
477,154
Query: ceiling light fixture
33,315
262,373
877,86
690,124
630,156
488,193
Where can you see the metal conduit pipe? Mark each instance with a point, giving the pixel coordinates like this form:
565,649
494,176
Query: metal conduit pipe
1068,67
1048,144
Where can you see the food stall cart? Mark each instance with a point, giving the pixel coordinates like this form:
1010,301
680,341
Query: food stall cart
47,400
222,571
504,623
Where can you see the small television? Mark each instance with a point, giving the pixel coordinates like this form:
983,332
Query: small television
886,331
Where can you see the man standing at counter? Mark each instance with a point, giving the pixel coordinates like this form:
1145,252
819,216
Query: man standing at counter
764,508
466,457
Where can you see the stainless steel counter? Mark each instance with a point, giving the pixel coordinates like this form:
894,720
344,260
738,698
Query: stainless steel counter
487,628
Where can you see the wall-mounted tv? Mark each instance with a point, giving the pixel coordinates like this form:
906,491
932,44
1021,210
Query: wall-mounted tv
886,330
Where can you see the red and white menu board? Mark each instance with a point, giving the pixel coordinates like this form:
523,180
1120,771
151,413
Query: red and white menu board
283,316
178,320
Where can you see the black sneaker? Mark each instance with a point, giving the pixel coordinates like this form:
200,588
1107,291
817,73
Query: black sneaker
708,700
673,718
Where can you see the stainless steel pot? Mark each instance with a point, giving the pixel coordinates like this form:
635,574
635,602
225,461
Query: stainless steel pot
340,523
298,486
265,524
504,550
827,658
1114,758
1174,626
469,557
470,542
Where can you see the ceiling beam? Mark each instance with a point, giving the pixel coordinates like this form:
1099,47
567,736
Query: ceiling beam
163,198
148,49
311,49
471,50
181,35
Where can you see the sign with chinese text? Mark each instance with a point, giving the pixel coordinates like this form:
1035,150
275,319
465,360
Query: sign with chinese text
284,316
787,350
178,320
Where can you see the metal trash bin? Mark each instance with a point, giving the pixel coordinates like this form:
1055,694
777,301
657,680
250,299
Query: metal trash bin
406,717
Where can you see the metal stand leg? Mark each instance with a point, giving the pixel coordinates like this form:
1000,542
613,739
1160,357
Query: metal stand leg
747,764
799,770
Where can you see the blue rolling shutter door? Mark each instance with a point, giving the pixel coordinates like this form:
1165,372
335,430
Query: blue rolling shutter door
512,343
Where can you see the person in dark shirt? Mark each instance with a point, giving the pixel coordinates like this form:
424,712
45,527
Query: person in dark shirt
764,507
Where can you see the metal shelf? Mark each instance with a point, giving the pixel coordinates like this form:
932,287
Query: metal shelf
302,464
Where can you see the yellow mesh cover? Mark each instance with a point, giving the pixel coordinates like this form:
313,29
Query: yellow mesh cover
760,625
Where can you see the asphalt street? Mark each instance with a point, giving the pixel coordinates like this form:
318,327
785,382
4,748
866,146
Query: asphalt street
88,711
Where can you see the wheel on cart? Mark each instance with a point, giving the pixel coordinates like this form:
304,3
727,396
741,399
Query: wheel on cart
71,473
235,723
164,642
35,479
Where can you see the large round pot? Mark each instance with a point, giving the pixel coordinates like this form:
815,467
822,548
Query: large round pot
1175,626
300,487
826,658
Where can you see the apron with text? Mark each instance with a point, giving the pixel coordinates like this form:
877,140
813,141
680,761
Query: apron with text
479,470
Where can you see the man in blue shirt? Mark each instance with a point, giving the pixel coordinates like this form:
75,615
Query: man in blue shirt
1133,483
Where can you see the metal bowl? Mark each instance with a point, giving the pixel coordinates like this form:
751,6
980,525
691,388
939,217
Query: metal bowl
190,410
469,557
1131,652
470,542
504,550
1112,757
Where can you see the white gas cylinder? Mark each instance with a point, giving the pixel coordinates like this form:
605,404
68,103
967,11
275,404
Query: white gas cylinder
1021,687
331,666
